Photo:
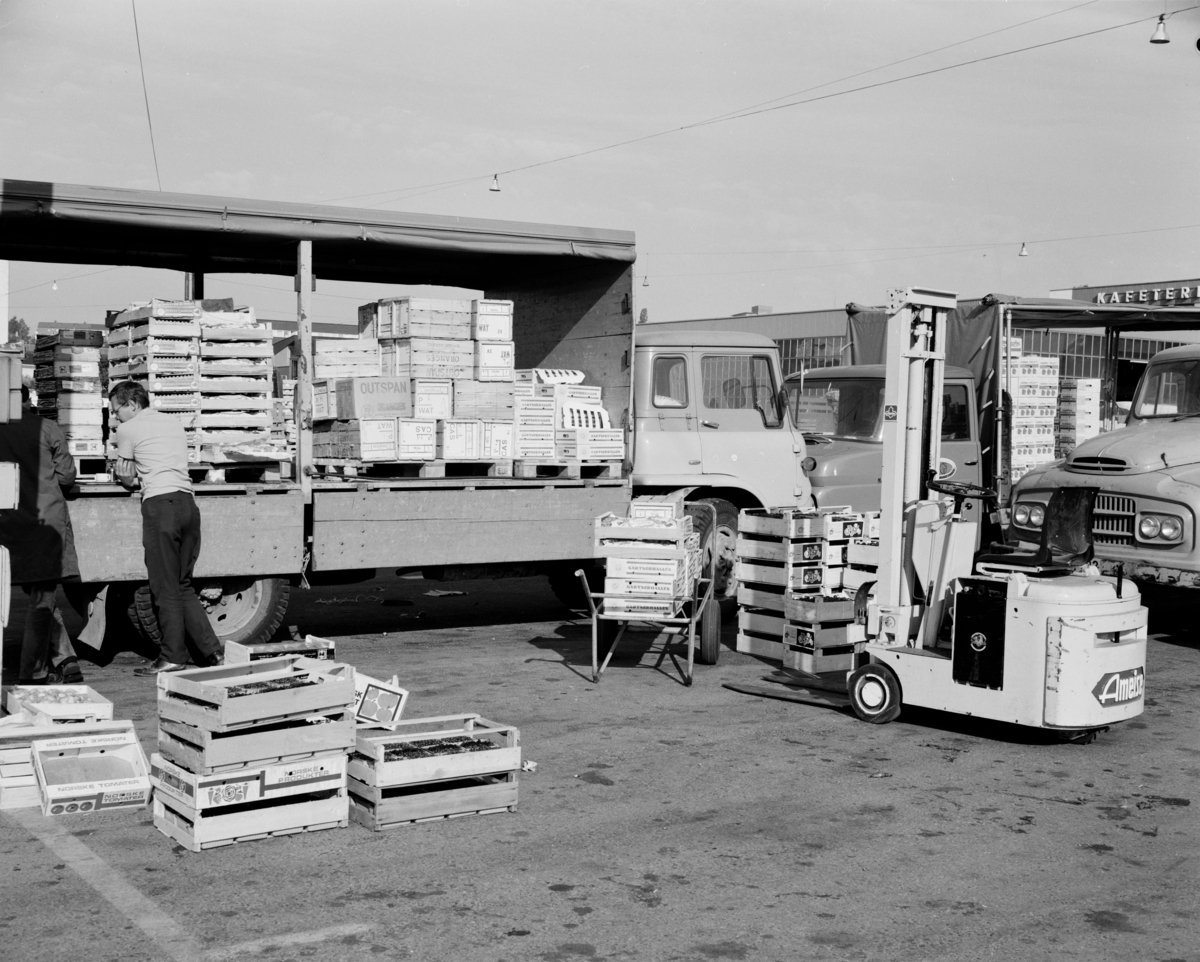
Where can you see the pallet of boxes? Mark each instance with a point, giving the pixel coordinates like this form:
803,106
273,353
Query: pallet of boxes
253,750
70,373
797,573
1033,393
1079,413
561,425
157,344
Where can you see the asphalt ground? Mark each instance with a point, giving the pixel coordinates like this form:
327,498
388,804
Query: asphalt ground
662,823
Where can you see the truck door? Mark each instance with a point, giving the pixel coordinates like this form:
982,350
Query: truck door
742,428
960,443
668,439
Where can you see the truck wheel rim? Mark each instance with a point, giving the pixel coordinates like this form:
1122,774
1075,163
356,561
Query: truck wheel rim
236,609
872,694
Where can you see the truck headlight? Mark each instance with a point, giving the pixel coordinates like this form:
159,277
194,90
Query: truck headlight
1170,529
1149,527
1021,514
1037,514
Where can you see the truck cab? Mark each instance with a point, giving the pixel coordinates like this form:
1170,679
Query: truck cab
1148,476
710,418
840,411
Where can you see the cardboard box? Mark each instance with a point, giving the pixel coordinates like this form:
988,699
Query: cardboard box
460,440
90,773
322,649
373,397
497,441
494,360
58,704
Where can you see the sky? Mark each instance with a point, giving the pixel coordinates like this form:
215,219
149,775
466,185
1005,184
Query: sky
1085,150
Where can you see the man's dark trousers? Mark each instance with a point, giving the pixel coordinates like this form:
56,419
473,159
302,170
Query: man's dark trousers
171,539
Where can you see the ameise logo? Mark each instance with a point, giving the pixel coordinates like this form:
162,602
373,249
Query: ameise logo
1120,687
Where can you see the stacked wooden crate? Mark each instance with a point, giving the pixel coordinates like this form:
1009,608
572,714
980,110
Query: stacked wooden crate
782,551
69,369
430,769
235,383
346,357
652,559
283,415
247,751
580,424
1033,389
1079,413
161,344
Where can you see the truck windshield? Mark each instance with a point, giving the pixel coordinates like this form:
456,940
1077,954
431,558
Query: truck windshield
1169,389
838,407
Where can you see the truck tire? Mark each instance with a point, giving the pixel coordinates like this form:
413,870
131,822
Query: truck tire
566,587
249,609
723,541
141,613
709,650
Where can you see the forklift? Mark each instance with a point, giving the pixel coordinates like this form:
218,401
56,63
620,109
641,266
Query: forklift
1035,638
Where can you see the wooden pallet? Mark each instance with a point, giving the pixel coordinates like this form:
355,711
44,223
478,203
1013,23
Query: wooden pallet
570,470
354,468
239,472
205,752
383,808
198,831
202,696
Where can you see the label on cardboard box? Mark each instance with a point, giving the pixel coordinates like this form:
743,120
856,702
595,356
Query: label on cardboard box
373,397
492,327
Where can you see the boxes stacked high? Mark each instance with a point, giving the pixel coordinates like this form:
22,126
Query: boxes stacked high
252,750
433,768
235,382
782,551
346,357
70,388
160,342
492,332
652,560
1079,412
1033,389
533,428
428,357
399,317
283,415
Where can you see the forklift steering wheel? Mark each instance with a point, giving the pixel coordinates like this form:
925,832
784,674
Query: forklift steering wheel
960,489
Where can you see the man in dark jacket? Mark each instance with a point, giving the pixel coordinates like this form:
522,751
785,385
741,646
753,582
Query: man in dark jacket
40,542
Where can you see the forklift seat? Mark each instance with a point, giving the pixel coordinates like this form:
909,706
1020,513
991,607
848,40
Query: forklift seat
1066,541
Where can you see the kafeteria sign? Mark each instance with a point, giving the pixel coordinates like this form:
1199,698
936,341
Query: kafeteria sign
1158,294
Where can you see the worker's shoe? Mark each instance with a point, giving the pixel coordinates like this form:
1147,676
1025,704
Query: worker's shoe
215,660
159,664
66,672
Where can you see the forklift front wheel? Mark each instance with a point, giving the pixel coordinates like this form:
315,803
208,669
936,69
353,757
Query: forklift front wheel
875,694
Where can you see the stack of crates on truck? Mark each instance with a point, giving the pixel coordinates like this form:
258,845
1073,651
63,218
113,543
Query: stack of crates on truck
784,552
160,341
366,419
235,385
430,769
283,416
251,750
346,357
582,430
1033,390
70,369
652,558
1079,412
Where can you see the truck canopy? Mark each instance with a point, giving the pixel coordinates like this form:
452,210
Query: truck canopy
974,334
71,224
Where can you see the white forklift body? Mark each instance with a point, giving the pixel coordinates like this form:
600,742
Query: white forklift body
1043,641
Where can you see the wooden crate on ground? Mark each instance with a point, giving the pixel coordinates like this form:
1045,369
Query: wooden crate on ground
207,791
58,704
432,768
760,632
197,831
238,696
204,752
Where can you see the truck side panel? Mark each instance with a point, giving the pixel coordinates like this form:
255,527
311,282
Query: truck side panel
581,322
241,534
425,528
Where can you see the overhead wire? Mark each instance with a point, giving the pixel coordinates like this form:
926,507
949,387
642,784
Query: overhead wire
765,107
145,94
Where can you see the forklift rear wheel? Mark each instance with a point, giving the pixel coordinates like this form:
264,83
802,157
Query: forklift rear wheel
874,694
710,634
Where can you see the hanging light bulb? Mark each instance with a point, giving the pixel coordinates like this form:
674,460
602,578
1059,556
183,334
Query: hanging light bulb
1160,31
54,286
1024,252
645,281
495,183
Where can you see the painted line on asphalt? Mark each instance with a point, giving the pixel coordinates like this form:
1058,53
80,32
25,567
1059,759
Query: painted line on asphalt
111,886
286,941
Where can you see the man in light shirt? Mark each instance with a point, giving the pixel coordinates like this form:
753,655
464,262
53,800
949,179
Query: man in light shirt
152,454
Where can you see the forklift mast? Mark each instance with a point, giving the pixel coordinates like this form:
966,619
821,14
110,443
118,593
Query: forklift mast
916,359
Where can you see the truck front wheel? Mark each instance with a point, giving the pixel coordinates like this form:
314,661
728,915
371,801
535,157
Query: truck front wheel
246,610
721,542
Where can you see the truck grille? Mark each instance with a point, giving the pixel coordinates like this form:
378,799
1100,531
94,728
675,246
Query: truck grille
1113,519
